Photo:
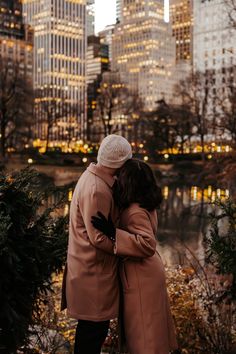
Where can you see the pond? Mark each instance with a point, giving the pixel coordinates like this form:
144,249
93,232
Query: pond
183,222
183,219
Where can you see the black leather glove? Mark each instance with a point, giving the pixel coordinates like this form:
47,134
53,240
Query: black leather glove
104,225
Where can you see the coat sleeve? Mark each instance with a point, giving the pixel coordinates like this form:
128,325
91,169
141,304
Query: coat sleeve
139,240
90,204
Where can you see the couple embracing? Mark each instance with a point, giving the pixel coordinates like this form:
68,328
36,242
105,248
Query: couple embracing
112,252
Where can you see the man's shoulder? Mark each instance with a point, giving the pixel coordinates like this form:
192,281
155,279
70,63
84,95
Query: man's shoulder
89,180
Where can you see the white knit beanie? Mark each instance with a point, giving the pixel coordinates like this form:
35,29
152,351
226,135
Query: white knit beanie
114,151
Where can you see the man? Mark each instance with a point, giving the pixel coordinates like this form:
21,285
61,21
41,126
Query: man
92,289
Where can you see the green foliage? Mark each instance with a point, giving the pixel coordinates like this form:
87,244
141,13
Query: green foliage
33,245
221,241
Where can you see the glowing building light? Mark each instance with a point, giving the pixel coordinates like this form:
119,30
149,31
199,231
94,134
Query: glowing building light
167,11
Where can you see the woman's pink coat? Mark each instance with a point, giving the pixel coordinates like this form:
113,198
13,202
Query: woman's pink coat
148,322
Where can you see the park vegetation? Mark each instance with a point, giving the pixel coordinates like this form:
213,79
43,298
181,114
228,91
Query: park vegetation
33,243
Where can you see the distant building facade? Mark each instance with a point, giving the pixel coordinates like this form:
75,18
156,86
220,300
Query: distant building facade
214,50
97,62
59,63
106,37
181,17
214,39
16,40
143,51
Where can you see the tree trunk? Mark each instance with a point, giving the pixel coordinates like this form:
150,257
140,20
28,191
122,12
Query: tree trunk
3,139
202,147
182,146
47,137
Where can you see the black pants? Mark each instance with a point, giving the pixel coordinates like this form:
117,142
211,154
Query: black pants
90,336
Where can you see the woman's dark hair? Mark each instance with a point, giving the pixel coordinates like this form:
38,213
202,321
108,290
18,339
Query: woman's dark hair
136,184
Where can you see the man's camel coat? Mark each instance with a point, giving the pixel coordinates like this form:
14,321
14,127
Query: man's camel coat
90,285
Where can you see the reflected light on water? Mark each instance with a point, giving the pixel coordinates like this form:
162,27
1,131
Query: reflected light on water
213,197
208,194
209,191
178,192
197,194
183,220
194,193
70,194
165,192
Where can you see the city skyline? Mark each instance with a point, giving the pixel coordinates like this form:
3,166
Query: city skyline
151,56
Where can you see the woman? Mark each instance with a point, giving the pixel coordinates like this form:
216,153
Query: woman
147,319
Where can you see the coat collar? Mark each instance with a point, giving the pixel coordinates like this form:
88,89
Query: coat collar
96,170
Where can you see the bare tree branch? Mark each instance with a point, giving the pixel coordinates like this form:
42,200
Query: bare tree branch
116,107
16,106
231,11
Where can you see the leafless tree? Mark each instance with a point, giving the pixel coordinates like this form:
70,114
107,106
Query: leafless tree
117,108
196,92
227,110
229,120
183,121
16,106
160,132
231,11
168,126
52,108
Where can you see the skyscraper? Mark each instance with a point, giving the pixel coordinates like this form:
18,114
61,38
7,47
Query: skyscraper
16,39
181,16
97,64
181,19
214,56
214,43
214,39
59,64
144,51
106,37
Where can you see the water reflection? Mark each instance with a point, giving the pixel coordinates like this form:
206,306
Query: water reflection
197,193
183,220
